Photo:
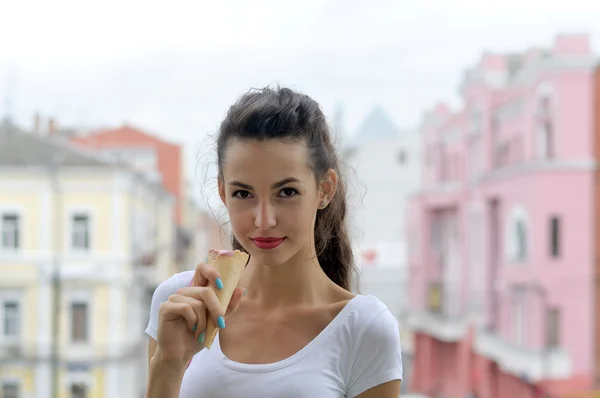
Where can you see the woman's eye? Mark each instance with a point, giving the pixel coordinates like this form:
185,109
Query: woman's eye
241,194
288,192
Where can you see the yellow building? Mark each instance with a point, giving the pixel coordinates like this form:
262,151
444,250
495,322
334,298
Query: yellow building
99,237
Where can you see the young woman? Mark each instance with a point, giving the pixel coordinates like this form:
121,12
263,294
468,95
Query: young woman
293,328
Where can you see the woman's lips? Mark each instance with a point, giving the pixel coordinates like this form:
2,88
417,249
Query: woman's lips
267,243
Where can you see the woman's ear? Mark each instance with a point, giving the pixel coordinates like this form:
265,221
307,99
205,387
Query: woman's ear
221,188
327,188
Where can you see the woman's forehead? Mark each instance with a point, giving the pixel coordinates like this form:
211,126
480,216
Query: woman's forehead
271,157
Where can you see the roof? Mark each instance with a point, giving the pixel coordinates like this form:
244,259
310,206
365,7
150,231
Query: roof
123,136
377,126
21,148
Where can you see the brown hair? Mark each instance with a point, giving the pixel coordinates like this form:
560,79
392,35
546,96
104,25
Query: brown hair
283,114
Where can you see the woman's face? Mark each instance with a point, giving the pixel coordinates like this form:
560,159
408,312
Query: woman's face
272,198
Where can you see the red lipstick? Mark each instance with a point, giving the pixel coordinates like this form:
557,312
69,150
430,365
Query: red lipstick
267,243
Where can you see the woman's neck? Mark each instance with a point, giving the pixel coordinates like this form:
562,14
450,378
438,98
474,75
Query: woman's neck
300,280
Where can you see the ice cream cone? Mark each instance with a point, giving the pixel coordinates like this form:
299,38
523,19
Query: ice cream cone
230,265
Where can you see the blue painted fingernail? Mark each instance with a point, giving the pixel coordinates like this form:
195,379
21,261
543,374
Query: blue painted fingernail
221,322
244,292
194,328
201,337
219,283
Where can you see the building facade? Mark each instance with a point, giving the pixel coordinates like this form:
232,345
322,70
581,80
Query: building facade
163,162
160,160
83,243
383,171
502,251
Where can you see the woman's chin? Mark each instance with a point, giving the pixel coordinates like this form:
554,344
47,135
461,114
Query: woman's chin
268,259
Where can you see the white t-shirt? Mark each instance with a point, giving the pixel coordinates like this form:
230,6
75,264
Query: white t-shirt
358,350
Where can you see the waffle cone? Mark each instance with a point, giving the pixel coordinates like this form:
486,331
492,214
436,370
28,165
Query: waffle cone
230,265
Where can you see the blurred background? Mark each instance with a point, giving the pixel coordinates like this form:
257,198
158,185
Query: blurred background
469,133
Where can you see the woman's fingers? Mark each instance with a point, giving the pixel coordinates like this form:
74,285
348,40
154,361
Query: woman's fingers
206,273
199,309
210,300
170,311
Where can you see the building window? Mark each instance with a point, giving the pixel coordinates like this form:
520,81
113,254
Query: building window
517,146
517,236
11,390
476,118
78,390
546,128
80,232
555,236
442,159
503,151
553,328
11,319
10,231
519,319
521,240
518,323
476,258
476,159
434,297
79,322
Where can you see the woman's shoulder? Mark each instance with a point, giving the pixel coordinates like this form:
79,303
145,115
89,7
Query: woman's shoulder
367,317
374,356
367,308
162,293
171,285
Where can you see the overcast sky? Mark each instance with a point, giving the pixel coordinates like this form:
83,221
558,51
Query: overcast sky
175,70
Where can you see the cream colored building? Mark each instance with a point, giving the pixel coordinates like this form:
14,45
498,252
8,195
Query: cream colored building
107,235
205,234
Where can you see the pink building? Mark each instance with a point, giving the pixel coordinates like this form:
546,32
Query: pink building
501,262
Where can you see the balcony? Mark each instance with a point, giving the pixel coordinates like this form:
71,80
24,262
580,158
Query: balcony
442,318
33,352
11,350
18,351
535,365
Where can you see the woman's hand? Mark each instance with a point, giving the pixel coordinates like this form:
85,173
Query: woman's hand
183,318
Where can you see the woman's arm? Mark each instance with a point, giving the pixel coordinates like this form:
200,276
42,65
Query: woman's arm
151,348
164,378
390,389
